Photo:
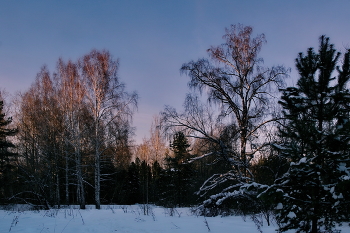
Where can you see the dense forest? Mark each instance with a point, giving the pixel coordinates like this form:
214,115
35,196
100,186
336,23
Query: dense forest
243,144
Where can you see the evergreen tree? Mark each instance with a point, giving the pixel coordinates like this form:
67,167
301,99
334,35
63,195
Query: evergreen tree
180,147
311,195
144,177
179,190
132,185
156,182
6,156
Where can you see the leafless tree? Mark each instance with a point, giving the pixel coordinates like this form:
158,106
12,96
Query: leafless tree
40,124
154,148
106,99
120,142
236,82
81,110
71,93
158,143
199,121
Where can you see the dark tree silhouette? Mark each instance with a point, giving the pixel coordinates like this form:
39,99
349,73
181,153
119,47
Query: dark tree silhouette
7,157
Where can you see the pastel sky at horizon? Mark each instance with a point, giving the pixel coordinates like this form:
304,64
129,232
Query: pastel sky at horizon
154,38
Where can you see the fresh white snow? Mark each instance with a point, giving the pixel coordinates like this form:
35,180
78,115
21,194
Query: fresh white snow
119,219
279,206
126,219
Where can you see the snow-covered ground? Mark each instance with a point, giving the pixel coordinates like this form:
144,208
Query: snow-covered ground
129,219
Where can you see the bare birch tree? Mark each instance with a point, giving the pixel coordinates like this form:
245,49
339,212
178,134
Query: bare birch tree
71,93
154,148
40,127
107,100
157,141
235,81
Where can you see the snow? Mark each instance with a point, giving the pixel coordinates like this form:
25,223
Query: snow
335,196
280,147
291,215
342,167
302,160
128,219
225,196
123,219
279,206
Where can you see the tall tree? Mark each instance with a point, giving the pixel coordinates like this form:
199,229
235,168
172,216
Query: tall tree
64,119
158,148
312,195
7,157
180,190
40,127
107,100
233,79
71,94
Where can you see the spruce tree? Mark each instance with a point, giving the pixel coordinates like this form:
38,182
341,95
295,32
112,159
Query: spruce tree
179,173
312,195
6,156
180,147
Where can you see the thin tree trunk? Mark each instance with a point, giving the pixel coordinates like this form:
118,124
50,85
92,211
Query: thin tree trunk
97,181
58,199
314,225
80,189
67,180
97,170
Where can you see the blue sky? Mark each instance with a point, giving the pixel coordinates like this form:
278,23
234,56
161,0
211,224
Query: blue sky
154,38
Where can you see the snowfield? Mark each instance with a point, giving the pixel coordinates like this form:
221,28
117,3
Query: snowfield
125,219
129,219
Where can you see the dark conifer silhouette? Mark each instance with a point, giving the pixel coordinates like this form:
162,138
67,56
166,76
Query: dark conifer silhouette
7,157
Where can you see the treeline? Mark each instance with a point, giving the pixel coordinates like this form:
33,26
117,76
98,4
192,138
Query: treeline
44,169
72,125
73,144
255,146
